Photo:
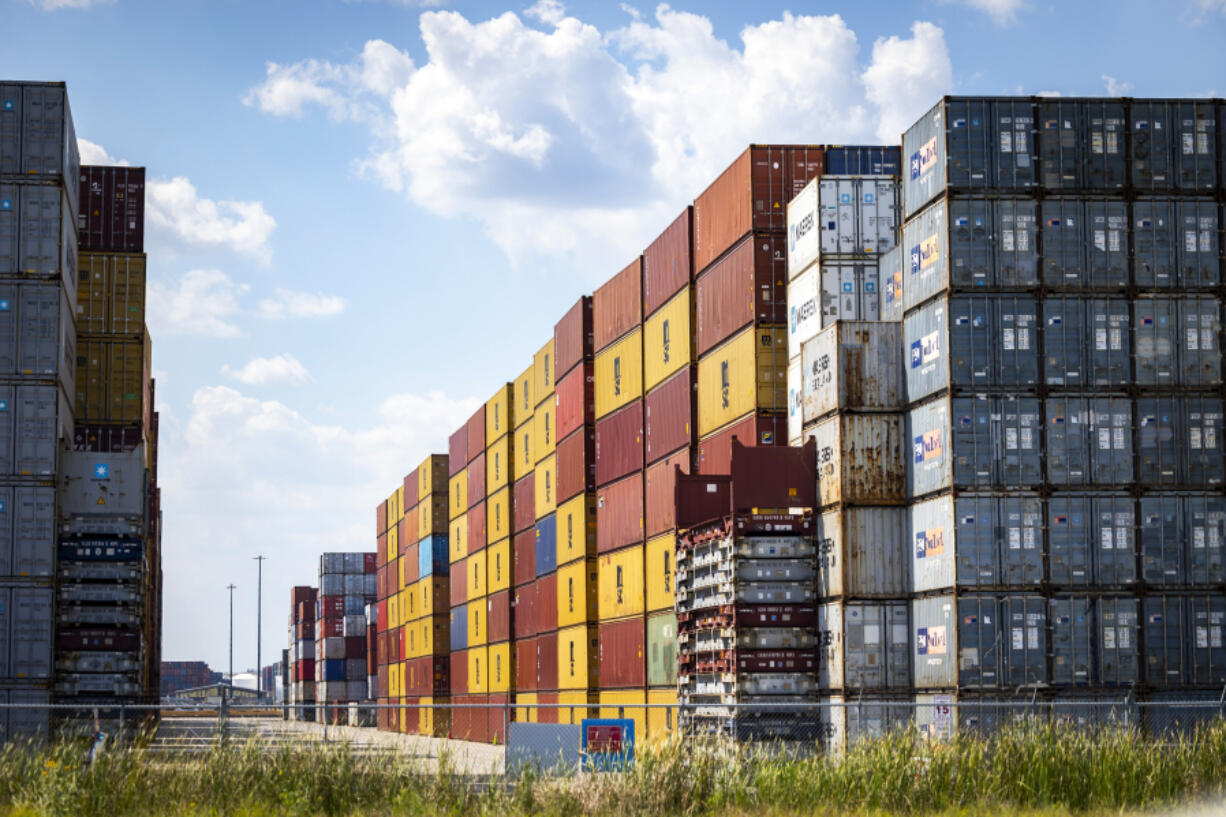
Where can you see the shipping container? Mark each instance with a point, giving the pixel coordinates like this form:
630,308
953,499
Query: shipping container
475,521
476,434
38,339
796,407
573,337
457,451
853,366
623,655
498,615
458,494
659,486
846,720
667,266
804,309
546,483
498,566
619,443
1081,144
1171,144
669,415
546,545
1182,538
764,429
660,565
547,607
668,339
862,553
976,541
1095,641
746,287
979,641
498,465
1176,341
111,209
1087,342
617,305
860,459
477,622
457,539
575,400
431,516
577,593
968,243
744,375
1176,242
38,237
850,291
619,374
1091,540
865,646
578,658
1182,638
1086,243
971,342
1089,441
752,194
662,650
476,480
111,294
1179,442
576,528
842,215
498,516
498,415
523,508
525,676
524,545
33,421
544,430
478,683
970,143
28,533
474,576
522,399
26,621
576,464
619,514
621,587
981,443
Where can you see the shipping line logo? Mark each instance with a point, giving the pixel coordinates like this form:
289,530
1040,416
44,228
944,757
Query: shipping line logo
800,229
925,350
929,543
925,254
666,338
924,159
928,446
930,641
725,384
803,312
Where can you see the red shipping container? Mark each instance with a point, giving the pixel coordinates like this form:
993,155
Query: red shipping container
411,565
381,539
408,528
381,518
306,629
111,209
547,662
575,400
355,646
370,562
525,556
476,527
455,580
524,497
381,583
382,606
305,669
617,306
476,433
668,415
623,657
500,715
752,194
660,490
572,338
498,618
547,603
747,286
715,452
524,601
576,464
331,607
427,676
619,514
457,450
302,594
666,263
476,480
410,489
619,444
548,713
458,672
525,664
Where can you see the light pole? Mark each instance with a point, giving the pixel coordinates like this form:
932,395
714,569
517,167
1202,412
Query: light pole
230,587
259,630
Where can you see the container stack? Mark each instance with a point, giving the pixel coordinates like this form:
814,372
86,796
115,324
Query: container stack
302,654
347,583
420,648
523,546
468,588
746,566
179,675
390,526
498,681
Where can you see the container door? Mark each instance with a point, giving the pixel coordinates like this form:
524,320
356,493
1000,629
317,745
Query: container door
1196,243
1206,523
1112,541
977,552
1154,229
1070,635
1163,632
1025,642
979,650
1111,353
1118,662
1108,248
1207,654
1157,339
1021,555
1196,339
1201,437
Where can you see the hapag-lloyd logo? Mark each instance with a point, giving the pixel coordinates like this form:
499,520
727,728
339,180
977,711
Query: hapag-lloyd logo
928,446
930,641
924,159
800,229
929,543
925,254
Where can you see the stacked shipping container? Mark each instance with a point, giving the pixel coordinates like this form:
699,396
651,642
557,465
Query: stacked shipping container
302,654
347,584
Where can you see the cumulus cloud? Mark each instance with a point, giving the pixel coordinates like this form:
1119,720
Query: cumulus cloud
174,205
95,154
264,371
56,5
289,304
1002,12
201,303
1116,87
597,138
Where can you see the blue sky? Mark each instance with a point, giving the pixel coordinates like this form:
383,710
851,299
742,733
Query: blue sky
365,215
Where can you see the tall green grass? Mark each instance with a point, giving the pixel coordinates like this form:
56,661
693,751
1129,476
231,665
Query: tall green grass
1031,768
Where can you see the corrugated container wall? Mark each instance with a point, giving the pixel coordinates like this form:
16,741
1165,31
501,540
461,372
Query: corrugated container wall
617,306
667,264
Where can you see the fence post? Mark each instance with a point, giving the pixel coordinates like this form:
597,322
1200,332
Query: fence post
121,723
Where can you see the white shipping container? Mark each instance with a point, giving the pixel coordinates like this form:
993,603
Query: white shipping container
863,553
853,365
858,215
865,645
804,310
860,459
795,402
847,720
850,292
803,243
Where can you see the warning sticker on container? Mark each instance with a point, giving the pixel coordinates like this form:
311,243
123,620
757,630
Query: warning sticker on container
872,634
1100,240
1011,439
1006,141
1100,340
1023,339
1006,339
1198,538
1028,539
1189,240
1188,143
1006,240
1032,638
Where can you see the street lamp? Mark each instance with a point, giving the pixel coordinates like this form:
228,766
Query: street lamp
259,629
230,587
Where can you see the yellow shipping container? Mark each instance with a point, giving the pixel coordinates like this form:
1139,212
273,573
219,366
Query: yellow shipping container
661,722
660,568
457,494
502,669
474,576
405,600
478,623
432,476
578,658
498,465
393,543
619,374
478,672
432,516
577,593
498,414
434,722
525,707
577,528
667,340
543,428
395,506
111,293
747,373
498,566
521,399
498,516
577,706
457,539
542,374
399,569
626,703
111,380
522,458
545,485
393,611
393,682
621,583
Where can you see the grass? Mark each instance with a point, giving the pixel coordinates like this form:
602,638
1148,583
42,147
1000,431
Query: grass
1044,771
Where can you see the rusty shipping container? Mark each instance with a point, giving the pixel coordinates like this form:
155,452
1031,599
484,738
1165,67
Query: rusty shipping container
861,460
525,499
667,263
619,514
573,337
575,400
747,286
619,443
457,450
660,489
111,209
669,411
752,194
623,653
715,450
617,306
576,464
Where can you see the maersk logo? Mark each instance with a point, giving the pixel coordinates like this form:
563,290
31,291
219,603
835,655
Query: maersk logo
9,105
102,471
924,159
6,204
799,230
803,312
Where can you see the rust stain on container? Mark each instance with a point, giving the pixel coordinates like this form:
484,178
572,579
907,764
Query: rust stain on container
617,306
619,514
669,415
619,443
576,463
861,459
747,286
715,451
572,337
667,263
575,400
661,491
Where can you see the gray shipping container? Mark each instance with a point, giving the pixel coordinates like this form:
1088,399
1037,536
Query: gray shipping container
864,646
978,443
1087,342
1117,660
1085,243
850,291
970,243
970,143
1176,243
853,366
96,484
38,234
979,641
1182,635
889,273
941,715
1081,144
860,459
1072,641
1176,341
1089,441
1179,442
26,622
862,553
1183,539
27,530
846,720
31,721
976,541
33,421
1172,144
1091,540
38,334
1094,641
37,137
968,342
1091,710
332,584
796,401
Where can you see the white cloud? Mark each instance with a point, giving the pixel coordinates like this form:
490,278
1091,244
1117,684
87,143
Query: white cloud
1116,87
1204,7
263,371
242,226
56,5
597,138
289,304
95,154
200,303
1002,12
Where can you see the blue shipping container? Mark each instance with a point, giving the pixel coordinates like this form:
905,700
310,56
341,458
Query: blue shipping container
459,628
334,669
432,555
546,545
857,160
